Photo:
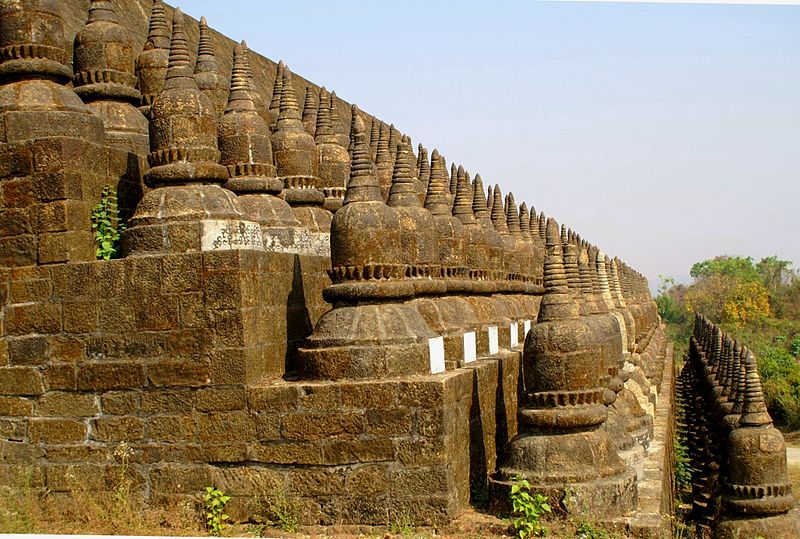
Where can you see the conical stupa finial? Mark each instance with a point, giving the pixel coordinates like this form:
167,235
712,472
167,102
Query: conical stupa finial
277,88
383,155
363,185
402,191
206,60
524,221
754,410
290,111
542,226
436,196
323,121
310,111
555,278
462,205
239,98
479,207
158,36
353,114
512,215
498,213
179,74
454,178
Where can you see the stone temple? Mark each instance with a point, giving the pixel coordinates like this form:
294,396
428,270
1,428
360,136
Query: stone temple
302,304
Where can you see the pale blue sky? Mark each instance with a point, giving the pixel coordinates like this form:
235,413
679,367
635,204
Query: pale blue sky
664,133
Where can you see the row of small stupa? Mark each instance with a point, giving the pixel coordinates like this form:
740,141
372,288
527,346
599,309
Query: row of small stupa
737,458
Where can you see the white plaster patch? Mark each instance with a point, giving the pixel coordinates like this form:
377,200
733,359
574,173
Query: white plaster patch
229,235
514,331
436,354
470,347
526,325
494,342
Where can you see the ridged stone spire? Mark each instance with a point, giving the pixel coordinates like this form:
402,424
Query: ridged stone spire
152,63
206,71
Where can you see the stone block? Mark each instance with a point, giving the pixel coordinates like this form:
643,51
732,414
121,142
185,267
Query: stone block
121,403
56,431
286,453
30,291
225,427
21,381
18,193
13,430
61,216
274,398
117,429
393,422
419,482
249,481
370,394
73,246
321,396
424,452
27,350
171,428
15,222
60,377
191,310
268,426
65,349
80,316
181,373
181,273
166,401
229,365
316,426
22,319
420,394
106,376
340,452
368,480
18,250
15,406
156,314
180,478
316,482
220,399
67,404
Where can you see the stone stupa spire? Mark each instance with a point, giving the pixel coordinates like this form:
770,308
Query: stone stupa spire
206,71
152,63
310,111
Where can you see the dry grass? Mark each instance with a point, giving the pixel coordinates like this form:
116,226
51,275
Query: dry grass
27,507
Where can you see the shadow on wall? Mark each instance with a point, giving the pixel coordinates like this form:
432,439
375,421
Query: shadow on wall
298,321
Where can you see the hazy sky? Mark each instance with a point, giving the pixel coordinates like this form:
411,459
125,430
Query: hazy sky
664,133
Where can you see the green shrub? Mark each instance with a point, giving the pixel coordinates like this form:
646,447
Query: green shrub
529,509
107,225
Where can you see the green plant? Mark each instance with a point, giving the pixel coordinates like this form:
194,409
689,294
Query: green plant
107,225
529,509
215,502
402,524
587,530
794,347
283,512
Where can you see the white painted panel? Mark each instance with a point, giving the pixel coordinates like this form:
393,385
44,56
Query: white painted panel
526,325
494,342
470,347
436,354
514,330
